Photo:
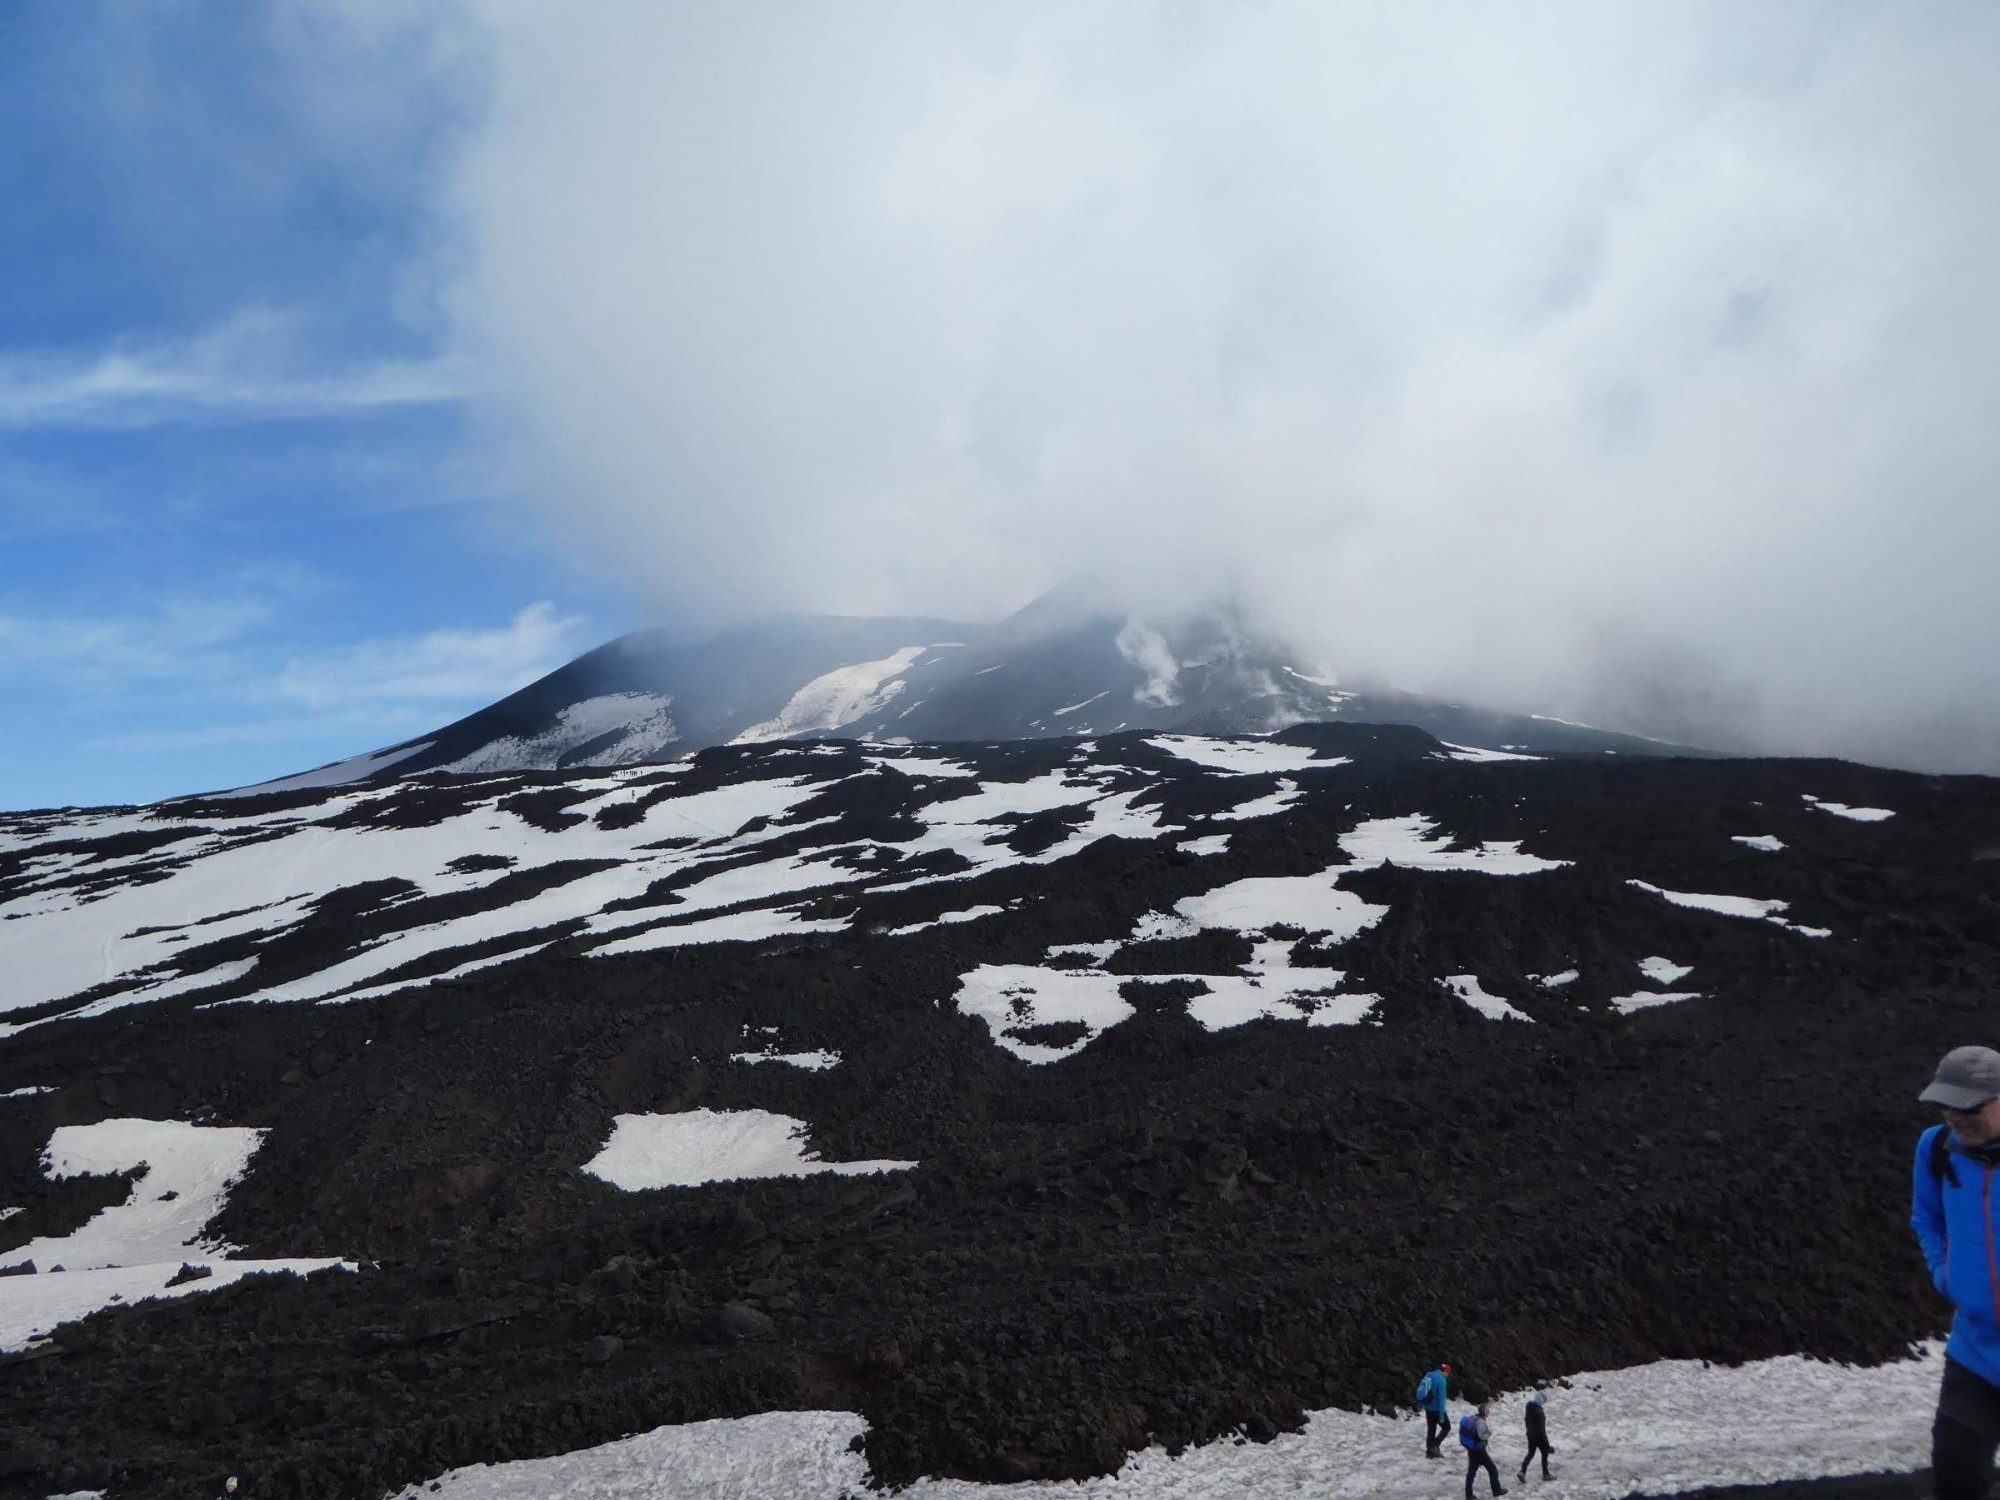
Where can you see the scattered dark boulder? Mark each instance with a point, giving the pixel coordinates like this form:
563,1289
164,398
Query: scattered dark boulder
738,1322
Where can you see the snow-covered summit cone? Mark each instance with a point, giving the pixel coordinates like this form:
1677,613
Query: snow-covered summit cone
1061,666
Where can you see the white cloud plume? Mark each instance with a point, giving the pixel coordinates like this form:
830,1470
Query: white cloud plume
1630,360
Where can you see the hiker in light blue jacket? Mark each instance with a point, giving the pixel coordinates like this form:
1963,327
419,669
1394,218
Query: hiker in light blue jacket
1433,1395
1954,1210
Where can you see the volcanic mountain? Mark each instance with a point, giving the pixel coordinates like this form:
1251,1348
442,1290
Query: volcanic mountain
1037,1103
1062,666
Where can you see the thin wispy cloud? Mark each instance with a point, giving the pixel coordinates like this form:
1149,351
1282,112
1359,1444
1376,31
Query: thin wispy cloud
255,367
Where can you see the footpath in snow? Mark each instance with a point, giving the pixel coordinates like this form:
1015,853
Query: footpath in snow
1657,1429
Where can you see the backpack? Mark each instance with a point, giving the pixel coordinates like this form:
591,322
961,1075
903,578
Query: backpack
1940,1156
1468,1432
1424,1391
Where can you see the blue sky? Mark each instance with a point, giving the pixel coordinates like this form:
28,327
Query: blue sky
244,526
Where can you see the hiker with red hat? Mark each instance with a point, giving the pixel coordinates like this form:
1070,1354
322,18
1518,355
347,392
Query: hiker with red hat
1957,1220
1434,1397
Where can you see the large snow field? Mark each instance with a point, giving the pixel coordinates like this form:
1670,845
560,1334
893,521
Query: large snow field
1657,1429
714,1145
130,1251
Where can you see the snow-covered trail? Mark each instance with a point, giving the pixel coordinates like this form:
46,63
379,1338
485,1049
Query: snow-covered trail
1658,1429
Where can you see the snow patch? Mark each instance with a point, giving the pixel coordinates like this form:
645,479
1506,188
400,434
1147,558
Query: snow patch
1313,902
1243,756
1663,970
189,1170
130,1251
1769,843
1842,810
1407,842
969,914
1467,988
1260,807
812,1062
1751,907
643,723
707,1145
1646,1000
1012,997
1478,755
1073,707
836,698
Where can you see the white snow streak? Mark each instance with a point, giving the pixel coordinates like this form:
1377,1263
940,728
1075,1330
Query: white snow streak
1842,810
836,698
1467,988
1243,756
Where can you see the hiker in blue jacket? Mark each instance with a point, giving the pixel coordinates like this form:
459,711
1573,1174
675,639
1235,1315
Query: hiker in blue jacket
1473,1435
1434,1397
1957,1220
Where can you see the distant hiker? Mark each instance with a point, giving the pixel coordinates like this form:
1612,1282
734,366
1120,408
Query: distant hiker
228,1487
1473,1434
1538,1436
1957,1220
1433,1397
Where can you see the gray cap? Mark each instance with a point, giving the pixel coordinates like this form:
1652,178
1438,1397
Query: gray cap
1966,1079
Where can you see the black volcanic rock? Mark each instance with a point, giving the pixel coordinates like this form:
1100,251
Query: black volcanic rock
1170,1234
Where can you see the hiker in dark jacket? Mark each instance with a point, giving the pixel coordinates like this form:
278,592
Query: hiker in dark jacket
1473,1435
1957,1220
1538,1436
1433,1395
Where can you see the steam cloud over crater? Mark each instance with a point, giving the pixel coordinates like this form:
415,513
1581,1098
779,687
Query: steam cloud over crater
1633,363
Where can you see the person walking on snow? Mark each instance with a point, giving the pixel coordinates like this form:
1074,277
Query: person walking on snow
1474,1434
1538,1436
1434,1398
1956,1214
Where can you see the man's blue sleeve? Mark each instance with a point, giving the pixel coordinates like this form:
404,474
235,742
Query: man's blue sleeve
1927,1209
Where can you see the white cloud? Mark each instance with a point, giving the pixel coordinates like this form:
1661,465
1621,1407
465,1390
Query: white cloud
440,666
1502,351
252,367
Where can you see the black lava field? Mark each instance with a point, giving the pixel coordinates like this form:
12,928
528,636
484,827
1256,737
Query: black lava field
1170,1233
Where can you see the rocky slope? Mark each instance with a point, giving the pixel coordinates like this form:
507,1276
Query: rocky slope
1240,1077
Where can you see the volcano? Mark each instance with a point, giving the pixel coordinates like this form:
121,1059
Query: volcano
1062,666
